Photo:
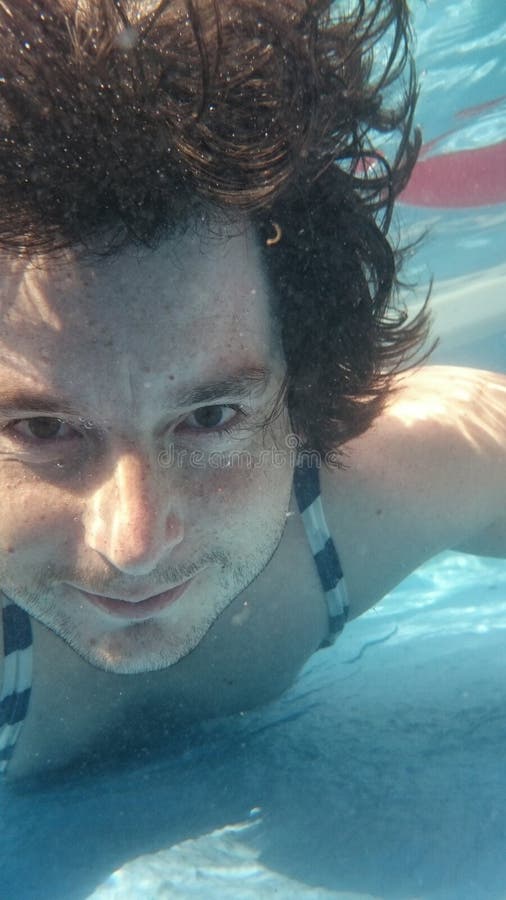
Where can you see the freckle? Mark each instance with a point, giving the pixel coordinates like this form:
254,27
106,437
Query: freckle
379,512
11,549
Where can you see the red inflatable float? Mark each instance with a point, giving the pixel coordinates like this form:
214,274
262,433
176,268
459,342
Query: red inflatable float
472,177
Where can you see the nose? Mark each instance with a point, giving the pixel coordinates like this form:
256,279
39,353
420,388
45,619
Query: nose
129,520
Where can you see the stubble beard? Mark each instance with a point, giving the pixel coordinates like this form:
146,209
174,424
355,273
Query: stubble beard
152,644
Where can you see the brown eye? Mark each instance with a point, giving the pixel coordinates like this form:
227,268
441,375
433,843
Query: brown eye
208,416
40,428
211,417
44,428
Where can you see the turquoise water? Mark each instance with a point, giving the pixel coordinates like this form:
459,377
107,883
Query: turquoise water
461,58
381,772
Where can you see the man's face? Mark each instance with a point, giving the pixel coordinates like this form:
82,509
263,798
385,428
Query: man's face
132,455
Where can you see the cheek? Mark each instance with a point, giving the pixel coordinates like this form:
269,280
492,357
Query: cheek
216,489
32,513
238,493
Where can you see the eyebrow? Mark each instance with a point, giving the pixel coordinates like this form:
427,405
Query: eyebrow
238,385
19,400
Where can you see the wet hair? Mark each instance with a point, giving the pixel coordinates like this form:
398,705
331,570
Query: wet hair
124,121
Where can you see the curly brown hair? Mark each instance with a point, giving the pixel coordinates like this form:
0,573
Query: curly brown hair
124,121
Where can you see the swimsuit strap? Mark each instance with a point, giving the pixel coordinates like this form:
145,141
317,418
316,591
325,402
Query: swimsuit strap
306,486
17,678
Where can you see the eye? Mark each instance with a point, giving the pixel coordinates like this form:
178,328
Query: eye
212,418
41,428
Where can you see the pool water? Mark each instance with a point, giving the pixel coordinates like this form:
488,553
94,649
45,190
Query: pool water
381,772
461,59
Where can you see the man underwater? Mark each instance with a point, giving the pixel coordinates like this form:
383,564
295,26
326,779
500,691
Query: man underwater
216,446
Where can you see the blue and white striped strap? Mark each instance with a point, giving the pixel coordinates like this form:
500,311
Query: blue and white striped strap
307,493
17,678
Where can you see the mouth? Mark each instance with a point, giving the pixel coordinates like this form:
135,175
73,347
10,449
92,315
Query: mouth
136,609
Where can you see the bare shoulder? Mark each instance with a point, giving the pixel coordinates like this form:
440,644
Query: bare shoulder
429,475
445,393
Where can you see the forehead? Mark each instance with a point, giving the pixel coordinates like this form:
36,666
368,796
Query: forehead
195,302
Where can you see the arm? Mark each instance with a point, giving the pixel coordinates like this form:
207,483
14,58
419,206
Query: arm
429,475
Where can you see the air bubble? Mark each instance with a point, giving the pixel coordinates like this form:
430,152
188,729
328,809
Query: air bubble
127,39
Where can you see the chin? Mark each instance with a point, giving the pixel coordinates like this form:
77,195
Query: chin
137,649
